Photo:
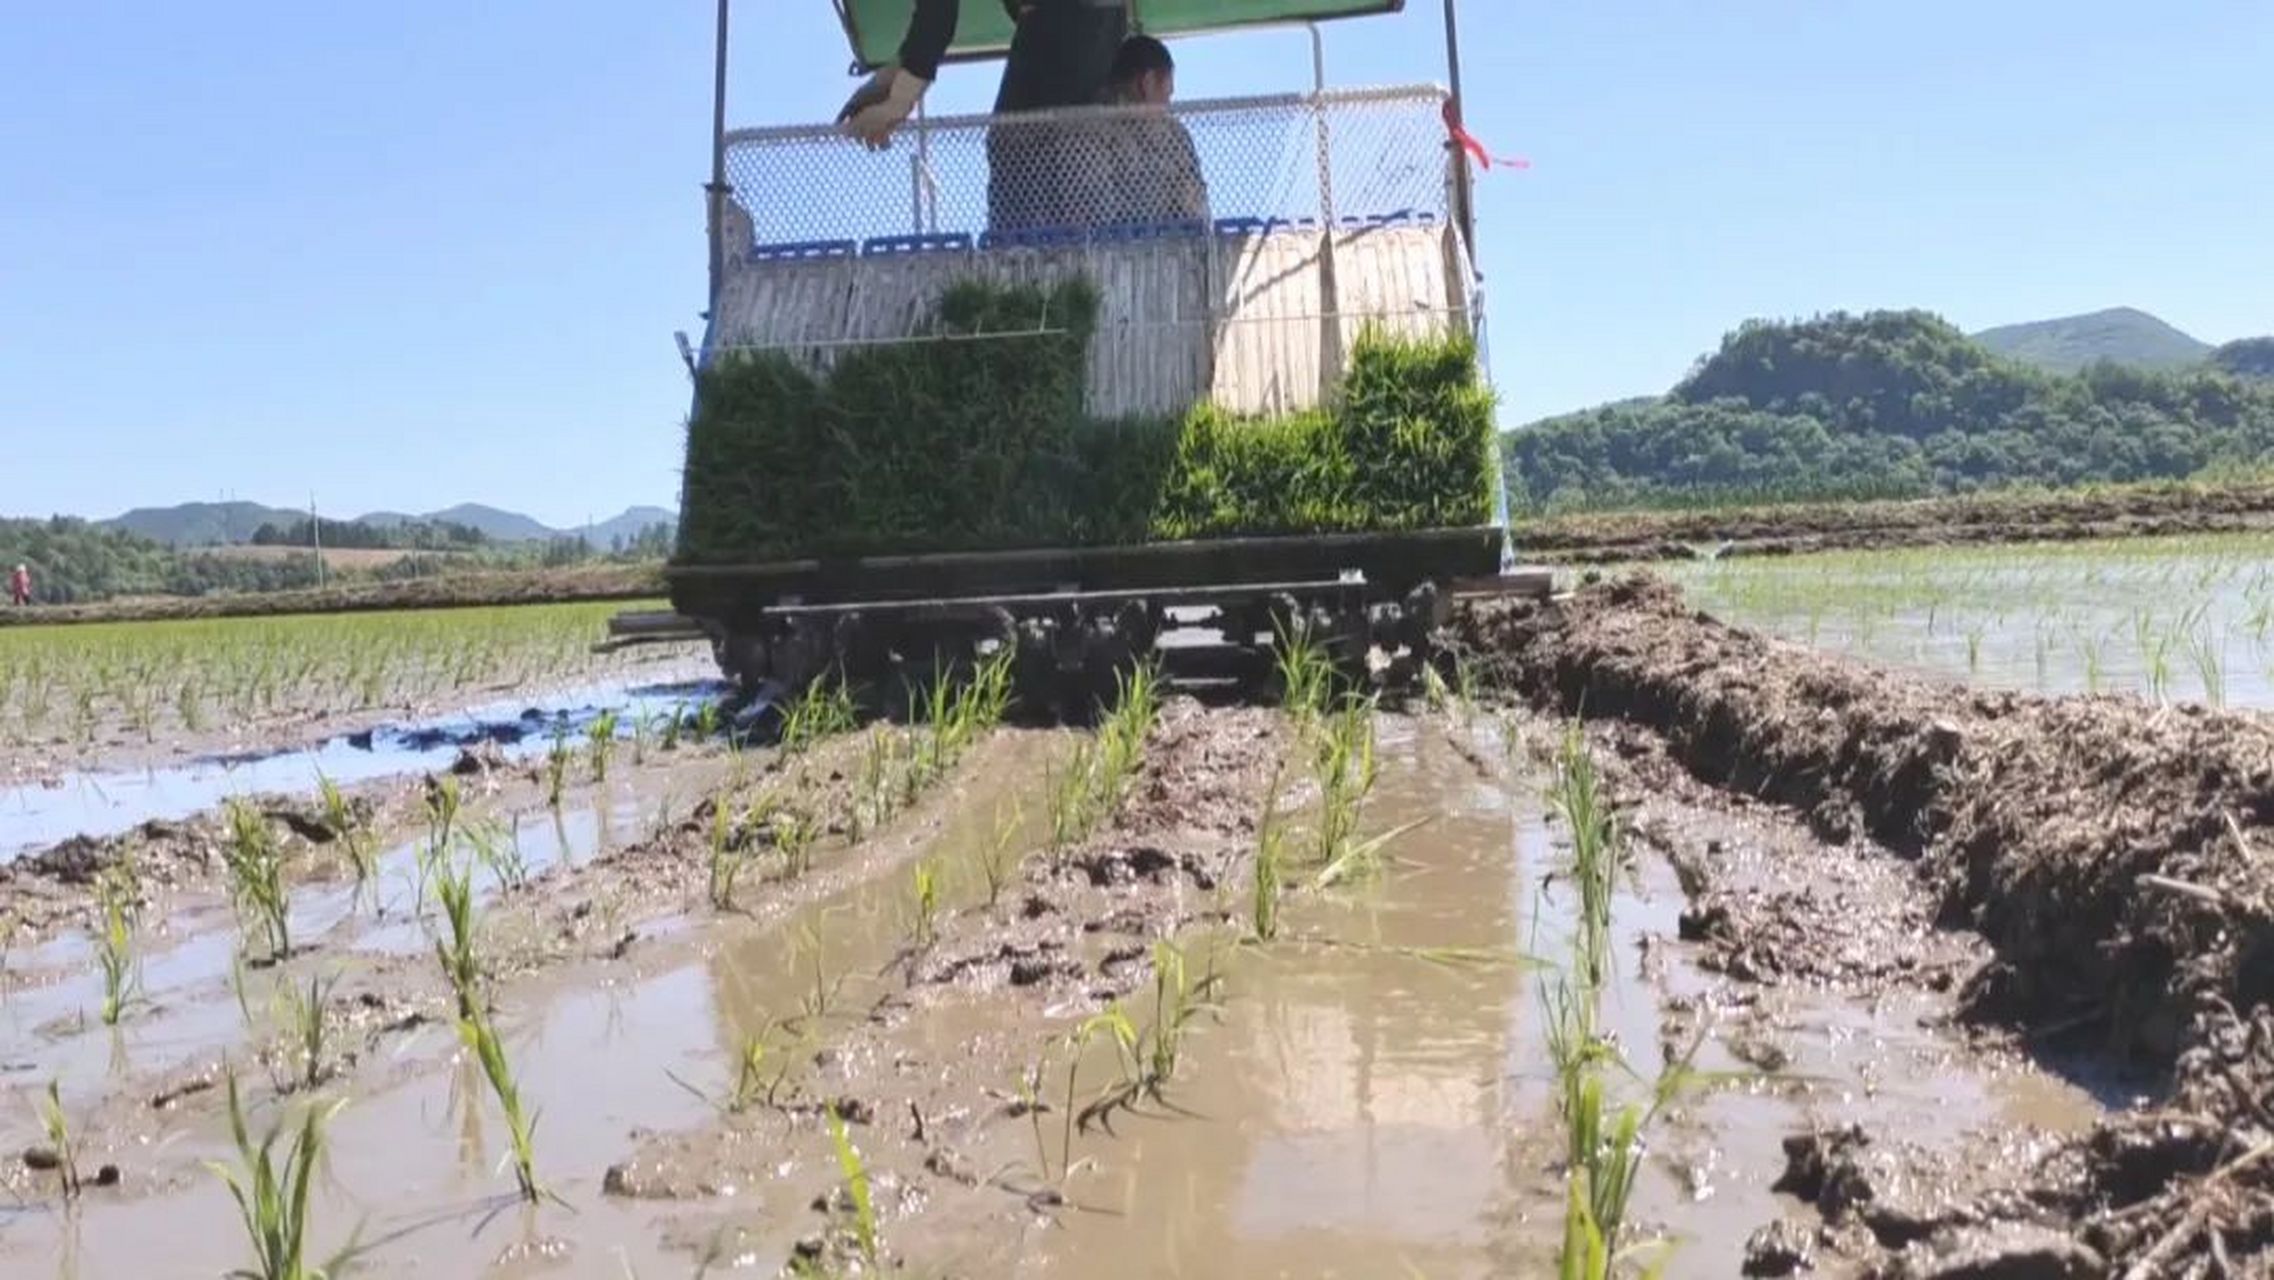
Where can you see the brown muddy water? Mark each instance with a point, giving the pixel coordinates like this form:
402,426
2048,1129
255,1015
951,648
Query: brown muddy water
1370,1095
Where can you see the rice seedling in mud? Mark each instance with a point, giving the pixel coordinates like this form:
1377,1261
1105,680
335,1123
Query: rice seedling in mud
795,832
1344,766
356,839
600,740
306,1022
480,1037
1604,1144
923,904
499,852
1090,786
254,860
1578,797
856,1175
272,1196
1270,859
56,1124
116,907
557,760
822,710
752,1082
726,856
1303,671
461,966
999,860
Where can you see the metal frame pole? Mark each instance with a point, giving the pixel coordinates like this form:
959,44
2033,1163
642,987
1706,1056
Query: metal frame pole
1464,205
717,188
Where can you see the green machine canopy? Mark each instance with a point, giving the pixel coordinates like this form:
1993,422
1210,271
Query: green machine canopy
875,26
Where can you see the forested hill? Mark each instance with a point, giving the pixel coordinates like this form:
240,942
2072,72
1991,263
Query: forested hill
2125,335
1887,404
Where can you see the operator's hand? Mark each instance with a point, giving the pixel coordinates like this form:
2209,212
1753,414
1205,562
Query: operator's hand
880,104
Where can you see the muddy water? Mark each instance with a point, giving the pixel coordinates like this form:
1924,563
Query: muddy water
1363,1110
599,1051
100,802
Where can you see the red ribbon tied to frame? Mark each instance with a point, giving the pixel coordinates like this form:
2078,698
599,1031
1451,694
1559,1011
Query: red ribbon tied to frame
1468,142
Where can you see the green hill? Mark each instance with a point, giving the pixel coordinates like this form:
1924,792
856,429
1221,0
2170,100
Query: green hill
2121,334
2245,358
199,524
1888,404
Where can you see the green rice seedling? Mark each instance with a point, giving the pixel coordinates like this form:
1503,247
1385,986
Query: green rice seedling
500,853
1070,797
1578,797
674,724
115,903
1305,674
999,859
819,998
795,833
255,863
2206,651
190,707
355,839
600,740
305,1019
1345,768
707,720
823,709
520,1124
443,799
557,767
57,1126
454,888
924,903
1270,859
856,1187
751,1084
726,856
1178,1001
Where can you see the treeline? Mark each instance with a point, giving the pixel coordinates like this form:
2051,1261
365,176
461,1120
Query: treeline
410,535
1889,404
73,561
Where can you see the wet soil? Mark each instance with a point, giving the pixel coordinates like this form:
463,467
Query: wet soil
2113,856
1897,931
1989,518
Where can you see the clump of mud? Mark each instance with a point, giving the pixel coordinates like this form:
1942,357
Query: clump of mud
2118,857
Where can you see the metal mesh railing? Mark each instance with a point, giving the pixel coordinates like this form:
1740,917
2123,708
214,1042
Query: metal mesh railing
975,181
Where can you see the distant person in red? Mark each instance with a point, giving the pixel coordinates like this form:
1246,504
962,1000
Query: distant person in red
20,585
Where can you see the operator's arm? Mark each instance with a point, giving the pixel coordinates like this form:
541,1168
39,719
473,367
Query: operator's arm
931,29
889,96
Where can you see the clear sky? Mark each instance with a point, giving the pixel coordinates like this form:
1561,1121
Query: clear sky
406,254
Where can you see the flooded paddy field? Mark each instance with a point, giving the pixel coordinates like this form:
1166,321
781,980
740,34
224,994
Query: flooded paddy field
1775,964
2169,618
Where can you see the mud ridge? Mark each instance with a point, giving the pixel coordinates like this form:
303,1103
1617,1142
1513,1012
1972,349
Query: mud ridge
1795,529
2116,856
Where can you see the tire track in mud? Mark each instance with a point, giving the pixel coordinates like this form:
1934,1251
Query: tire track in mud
2116,857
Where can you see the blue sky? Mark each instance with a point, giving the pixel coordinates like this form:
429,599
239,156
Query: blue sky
408,254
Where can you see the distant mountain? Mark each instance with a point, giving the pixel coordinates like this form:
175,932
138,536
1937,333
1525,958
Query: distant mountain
628,525
2121,334
202,523
501,526
217,523
2246,358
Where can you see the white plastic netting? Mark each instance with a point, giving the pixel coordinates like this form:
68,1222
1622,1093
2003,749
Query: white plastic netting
1340,158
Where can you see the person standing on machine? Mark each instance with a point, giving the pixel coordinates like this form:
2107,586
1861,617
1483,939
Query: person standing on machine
1061,54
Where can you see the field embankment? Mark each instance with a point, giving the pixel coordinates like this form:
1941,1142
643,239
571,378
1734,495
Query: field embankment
2117,856
612,582
2010,517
